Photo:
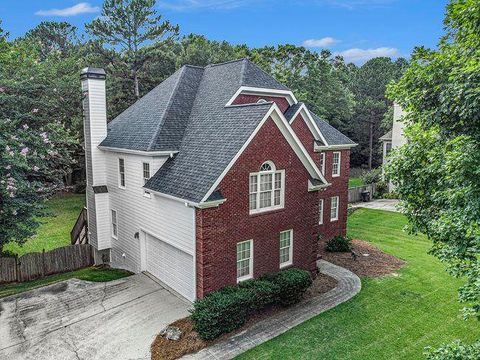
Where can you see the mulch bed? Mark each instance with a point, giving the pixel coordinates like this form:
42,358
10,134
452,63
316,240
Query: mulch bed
370,262
190,342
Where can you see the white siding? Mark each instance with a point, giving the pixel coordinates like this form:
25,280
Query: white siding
95,130
170,220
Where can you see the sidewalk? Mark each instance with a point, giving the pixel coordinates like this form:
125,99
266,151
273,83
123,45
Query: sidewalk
379,204
348,286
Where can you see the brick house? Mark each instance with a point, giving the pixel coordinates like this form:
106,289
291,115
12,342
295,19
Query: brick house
216,176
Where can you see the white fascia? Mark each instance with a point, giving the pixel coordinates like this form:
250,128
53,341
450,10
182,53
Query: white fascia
289,135
138,152
318,148
312,125
248,90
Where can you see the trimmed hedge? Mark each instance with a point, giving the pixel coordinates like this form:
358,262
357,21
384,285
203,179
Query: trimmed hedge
339,244
227,309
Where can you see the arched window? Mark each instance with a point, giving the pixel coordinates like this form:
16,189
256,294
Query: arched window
261,101
267,188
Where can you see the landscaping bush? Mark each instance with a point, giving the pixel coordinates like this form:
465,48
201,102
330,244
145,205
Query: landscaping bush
339,244
227,309
292,284
262,293
221,312
373,176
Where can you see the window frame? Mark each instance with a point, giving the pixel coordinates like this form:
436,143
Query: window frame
290,249
146,193
257,192
114,224
336,174
250,261
122,175
322,163
337,205
320,211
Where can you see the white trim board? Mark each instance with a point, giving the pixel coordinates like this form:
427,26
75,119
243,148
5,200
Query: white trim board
288,133
137,152
248,90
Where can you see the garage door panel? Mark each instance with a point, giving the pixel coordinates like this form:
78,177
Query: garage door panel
171,265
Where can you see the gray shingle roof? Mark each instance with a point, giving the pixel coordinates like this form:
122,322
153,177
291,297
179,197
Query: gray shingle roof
187,113
158,120
213,137
387,136
331,135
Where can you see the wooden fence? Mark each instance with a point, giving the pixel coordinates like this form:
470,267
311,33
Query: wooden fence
37,265
355,193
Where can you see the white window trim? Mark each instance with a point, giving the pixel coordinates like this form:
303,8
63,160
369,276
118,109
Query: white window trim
120,175
320,211
339,163
146,193
331,206
116,223
274,171
250,263
290,250
322,161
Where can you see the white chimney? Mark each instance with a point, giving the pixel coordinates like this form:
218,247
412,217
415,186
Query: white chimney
95,130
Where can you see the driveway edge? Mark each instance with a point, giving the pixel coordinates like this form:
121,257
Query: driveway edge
348,286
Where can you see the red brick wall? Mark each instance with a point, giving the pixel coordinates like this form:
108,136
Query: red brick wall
220,229
339,185
249,99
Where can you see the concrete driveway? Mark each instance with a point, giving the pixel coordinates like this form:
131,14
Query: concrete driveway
76,319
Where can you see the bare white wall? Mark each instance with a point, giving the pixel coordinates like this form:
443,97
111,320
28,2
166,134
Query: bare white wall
398,137
170,220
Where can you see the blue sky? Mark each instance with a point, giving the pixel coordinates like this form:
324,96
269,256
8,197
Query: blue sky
356,29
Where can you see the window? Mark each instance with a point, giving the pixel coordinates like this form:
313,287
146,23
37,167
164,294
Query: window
336,164
267,189
121,173
261,101
114,224
146,177
334,209
286,248
322,163
244,260
388,147
320,212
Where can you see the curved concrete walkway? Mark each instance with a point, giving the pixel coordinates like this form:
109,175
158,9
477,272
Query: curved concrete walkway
348,286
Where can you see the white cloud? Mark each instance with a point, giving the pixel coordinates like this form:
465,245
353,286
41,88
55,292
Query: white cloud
182,5
357,55
320,43
81,8
352,4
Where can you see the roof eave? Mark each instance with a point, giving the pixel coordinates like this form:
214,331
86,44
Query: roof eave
318,148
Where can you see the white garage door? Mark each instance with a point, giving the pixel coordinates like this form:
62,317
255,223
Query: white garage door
170,265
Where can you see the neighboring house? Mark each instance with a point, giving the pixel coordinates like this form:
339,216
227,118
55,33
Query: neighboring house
216,176
395,137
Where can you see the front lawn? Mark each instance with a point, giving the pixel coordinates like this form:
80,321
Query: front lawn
393,317
354,182
54,232
88,274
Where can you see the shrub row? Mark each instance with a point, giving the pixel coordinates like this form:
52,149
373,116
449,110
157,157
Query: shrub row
227,309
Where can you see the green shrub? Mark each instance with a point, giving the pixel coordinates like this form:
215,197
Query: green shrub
339,244
373,176
227,309
454,351
292,284
262,293
221,312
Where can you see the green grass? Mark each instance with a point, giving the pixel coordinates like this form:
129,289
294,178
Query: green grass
392,317
354,182
87,274
54,232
